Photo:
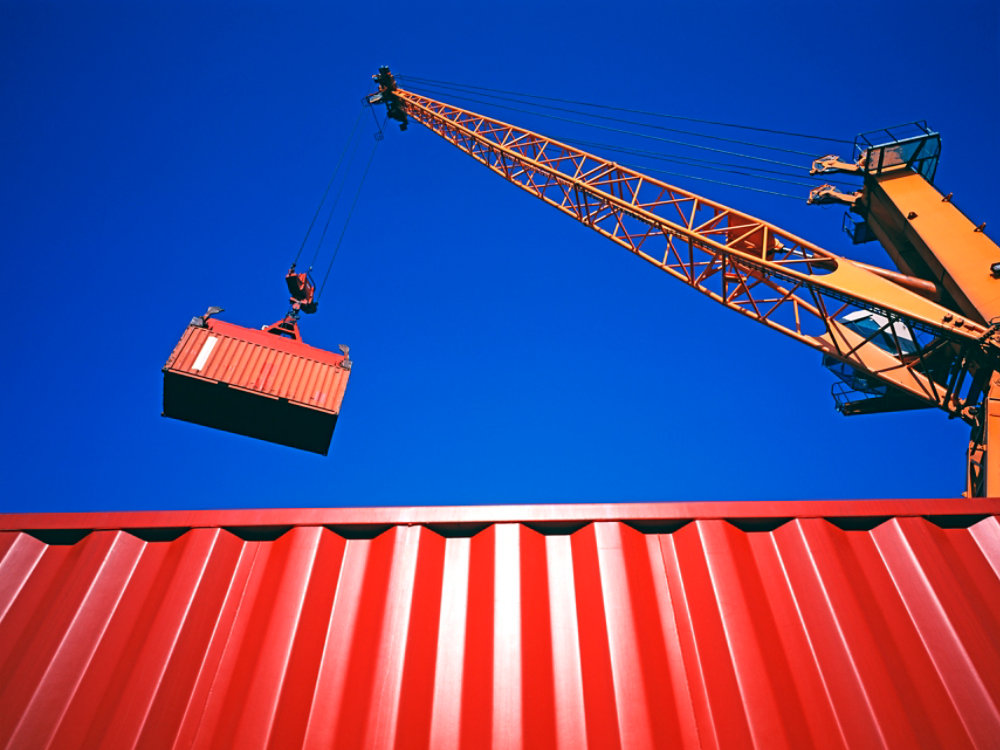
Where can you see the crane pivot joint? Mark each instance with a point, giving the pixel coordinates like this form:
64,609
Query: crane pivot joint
833,163
394,107
829,194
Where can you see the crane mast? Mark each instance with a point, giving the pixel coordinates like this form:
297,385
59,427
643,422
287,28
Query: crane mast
925,234
924,349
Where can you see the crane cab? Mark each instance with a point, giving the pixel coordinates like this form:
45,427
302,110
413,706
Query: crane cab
896,339
856,393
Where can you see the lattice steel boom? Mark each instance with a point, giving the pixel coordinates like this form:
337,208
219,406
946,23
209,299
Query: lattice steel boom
940,357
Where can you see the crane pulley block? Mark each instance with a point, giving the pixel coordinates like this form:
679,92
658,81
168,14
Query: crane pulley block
302,291
387,95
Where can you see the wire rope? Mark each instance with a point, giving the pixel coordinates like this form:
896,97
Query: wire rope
664,128
638,167
692,161
700,164
333,208
636,134
452,84
350,213
716,166
328,186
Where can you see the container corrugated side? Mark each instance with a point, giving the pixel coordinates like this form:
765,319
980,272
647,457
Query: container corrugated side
714,625
261,363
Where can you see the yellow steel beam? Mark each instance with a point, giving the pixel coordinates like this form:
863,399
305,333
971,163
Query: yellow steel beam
928,236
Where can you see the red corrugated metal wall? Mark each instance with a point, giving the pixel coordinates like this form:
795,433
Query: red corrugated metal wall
793,631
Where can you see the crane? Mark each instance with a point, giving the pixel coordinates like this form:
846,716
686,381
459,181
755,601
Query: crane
924,335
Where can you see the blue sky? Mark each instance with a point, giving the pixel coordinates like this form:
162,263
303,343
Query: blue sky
162,157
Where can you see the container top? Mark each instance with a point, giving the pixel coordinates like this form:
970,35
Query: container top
866,512
273,341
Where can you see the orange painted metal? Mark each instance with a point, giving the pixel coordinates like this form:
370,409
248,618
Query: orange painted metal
255,383
744,263
925,233
927,236
715,625
983,478
944,305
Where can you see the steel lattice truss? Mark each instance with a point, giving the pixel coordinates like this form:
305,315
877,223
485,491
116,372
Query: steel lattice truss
744,263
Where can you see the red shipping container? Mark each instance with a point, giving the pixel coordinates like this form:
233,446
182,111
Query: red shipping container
782,625
255,383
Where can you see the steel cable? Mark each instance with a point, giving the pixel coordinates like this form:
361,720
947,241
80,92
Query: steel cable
634,133
648,113
691,162
333,208
704,164
643,168
350,213
687,160
810,154
327,191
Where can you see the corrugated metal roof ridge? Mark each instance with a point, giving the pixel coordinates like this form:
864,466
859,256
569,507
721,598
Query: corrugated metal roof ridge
804,636
963,512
